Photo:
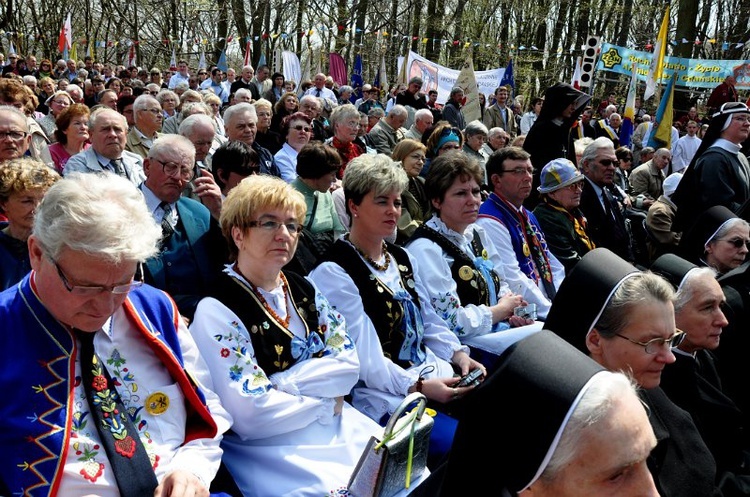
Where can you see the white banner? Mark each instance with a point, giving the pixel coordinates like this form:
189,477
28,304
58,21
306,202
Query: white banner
442,79
292,68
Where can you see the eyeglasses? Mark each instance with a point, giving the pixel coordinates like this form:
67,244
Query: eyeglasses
300,127
96,290
154,93
737,242
172,168
156,112
575,187
273,226
352,124
609,162
63,102
655,345
202,74
13,135
450,146
520,170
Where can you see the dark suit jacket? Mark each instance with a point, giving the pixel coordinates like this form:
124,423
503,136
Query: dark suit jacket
601,229
195,275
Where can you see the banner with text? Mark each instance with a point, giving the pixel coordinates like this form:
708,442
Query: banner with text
696,73
442,79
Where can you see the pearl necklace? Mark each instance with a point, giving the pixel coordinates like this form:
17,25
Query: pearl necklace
379,267
285,289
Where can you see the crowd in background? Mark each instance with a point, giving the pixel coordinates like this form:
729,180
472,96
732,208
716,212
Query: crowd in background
332,250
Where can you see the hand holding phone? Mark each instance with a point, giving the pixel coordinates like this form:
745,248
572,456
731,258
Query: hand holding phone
470,379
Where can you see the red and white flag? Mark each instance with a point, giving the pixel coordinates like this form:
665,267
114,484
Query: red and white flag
576,81
65,39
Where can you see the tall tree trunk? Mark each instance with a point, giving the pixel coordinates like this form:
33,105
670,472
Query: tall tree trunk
238,9
433,30
222,28
624,28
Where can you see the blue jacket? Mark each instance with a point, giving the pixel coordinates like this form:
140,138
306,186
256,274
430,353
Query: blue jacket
38,355
191,260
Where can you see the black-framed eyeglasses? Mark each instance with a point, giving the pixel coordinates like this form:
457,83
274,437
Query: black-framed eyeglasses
655,345
84,290
520,170
736,242
13,135
173,168
273,226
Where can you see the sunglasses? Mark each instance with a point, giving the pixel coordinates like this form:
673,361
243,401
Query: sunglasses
300,127
450,131
609,162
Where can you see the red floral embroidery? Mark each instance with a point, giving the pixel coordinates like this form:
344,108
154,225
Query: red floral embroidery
92,471
125,447
99,383
224,352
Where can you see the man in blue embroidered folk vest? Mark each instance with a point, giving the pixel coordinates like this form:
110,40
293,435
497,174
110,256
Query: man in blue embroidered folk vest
530,267
109,395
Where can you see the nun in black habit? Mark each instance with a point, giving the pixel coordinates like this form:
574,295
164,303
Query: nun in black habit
624,319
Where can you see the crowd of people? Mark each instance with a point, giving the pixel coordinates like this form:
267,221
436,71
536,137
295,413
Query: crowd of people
228,282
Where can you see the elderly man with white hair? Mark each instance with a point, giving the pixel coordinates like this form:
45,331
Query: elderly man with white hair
111,396
148,117
389,130
199,129
609,125
604,213
245,81
241,124
647,179
422,120
243,95
319,89
76,93
192,247
108,130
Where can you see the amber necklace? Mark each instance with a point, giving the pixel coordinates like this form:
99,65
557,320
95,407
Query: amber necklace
379,267
285,289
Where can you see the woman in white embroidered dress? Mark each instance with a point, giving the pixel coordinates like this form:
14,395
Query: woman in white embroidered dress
280,355
402,343
465,287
